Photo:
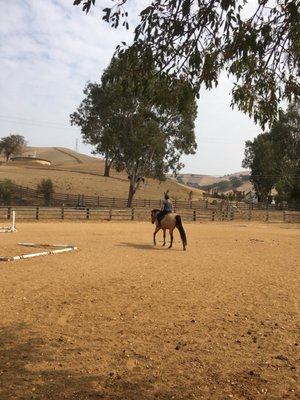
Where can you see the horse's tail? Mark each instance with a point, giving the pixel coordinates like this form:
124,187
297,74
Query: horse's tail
181,230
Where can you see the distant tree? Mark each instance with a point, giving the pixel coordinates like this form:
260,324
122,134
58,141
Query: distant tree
99,125
235,182
200,39
285,135
12,145
7,189
180,179
46,188
146,129
260,158
244,178
223,186
274,157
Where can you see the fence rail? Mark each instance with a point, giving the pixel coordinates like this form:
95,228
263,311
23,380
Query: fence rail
27,213
24,196
291,216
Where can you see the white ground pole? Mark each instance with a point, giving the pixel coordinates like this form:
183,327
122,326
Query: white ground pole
61,248
11,228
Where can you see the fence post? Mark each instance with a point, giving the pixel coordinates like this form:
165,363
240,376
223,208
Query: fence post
62,212
132,214
213,215
284,216
37,211
8,212
87,213
267,215
194,214
250,213
110,214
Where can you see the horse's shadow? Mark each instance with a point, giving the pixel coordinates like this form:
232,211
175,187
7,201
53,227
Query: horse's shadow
142,246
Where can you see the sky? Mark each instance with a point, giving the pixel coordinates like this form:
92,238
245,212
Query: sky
50,49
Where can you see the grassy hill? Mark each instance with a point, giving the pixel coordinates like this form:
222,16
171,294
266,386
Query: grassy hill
237,181
76,173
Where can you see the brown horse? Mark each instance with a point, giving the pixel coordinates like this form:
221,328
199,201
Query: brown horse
170,221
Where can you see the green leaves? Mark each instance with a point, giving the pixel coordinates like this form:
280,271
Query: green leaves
46,188
12,145
200,39
141,120
273,157
86,4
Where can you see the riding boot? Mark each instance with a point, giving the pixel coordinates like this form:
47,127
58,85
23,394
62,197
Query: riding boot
158,223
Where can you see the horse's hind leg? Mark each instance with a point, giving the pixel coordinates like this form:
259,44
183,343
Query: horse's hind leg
171,236
164,237
154,234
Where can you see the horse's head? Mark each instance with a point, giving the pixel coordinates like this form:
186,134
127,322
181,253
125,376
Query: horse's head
154,214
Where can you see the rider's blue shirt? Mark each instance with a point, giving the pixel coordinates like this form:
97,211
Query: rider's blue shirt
168,206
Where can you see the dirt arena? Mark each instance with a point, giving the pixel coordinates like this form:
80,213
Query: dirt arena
121,320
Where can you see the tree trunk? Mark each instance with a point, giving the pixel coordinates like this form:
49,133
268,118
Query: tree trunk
135,181
130,195
108,164
106,169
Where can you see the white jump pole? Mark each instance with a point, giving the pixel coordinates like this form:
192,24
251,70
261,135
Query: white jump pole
7,229
62,249
13,228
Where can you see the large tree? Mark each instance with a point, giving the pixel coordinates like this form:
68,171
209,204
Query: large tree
149,126
261,159
286,138
259,48
99,125
12,145
274,157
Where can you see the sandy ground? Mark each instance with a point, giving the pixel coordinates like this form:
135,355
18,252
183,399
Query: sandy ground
120,319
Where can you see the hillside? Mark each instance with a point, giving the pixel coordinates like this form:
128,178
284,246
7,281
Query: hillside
76,173
217,181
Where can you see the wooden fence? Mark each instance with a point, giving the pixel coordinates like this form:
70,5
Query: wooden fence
98,214
142,214
25,196
291,216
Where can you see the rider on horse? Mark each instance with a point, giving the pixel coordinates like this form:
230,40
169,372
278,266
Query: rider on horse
167,208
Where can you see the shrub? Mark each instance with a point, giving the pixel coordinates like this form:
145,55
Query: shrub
7,189
46,188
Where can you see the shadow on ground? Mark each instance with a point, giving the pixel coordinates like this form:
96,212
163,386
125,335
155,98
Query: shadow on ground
28,372
148,246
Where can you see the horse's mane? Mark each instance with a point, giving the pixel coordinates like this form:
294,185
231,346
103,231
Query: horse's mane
155,210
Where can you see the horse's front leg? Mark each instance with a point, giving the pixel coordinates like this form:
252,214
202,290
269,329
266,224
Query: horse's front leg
154,234
171,236
164,237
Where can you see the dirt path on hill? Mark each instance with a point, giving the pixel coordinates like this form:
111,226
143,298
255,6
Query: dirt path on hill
121,320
